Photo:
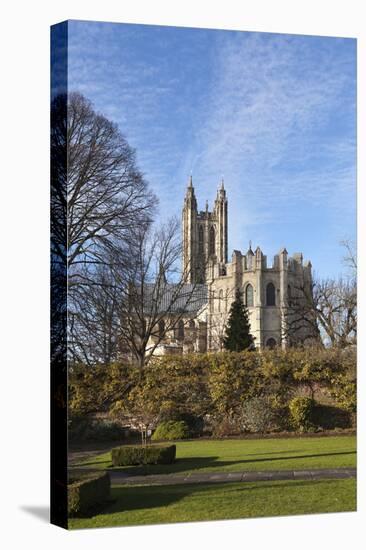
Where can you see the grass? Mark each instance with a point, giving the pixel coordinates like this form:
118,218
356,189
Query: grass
142,505
248,455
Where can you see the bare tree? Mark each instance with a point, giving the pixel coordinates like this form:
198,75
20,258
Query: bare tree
103,193
94,320
130,309
157,296
107,194
350,256
326,309
99,198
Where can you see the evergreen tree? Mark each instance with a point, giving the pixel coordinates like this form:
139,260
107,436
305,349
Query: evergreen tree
237,333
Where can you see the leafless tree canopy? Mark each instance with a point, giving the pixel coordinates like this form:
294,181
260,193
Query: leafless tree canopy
158,295
350,256
130,309
107,195
99,198
329,308
123,275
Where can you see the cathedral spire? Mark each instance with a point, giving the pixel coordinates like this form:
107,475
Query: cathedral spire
221,194
190,196
250,251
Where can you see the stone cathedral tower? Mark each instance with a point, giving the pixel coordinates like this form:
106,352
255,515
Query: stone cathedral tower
271,292
204,236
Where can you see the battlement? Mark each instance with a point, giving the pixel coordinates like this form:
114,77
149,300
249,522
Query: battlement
254,261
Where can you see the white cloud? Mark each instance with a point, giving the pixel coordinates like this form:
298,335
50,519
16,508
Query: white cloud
268,128
274,114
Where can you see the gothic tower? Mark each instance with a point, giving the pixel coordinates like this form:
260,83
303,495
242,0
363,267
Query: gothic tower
204,235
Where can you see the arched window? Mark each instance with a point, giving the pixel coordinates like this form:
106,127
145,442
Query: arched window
200,239
192,329
271,343
221,297
212,241
161,329
249,299
270,295
289,297
180,330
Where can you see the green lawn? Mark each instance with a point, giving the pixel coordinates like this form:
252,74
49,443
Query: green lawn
250,454
142,505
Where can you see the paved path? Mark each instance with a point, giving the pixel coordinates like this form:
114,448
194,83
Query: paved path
121,478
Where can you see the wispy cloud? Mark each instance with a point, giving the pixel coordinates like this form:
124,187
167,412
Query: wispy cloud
274,114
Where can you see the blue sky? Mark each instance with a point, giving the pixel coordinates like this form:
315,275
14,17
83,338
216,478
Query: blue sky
274,114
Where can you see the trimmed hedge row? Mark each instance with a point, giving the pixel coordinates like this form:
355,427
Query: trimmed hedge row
87,492
130,455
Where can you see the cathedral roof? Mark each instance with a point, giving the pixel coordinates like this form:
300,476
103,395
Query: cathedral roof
186,298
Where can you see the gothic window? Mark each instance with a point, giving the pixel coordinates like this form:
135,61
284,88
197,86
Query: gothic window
180,330
271,343
161,329
221,297
249,300
270,295
200,239
212,241
192,328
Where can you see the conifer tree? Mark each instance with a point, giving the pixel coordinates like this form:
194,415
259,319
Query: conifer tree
237,333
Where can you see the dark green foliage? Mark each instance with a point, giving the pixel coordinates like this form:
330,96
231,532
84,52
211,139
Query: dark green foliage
237,334
171,430
329,417
301,413
89,429
195,423
87,492
131,455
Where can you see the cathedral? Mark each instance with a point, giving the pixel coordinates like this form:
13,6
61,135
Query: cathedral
267,290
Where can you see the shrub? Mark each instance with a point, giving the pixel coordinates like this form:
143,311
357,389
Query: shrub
329,417
171,430
130,455
301,413
224,425
87,429
344,391
87,492
257,415
194,423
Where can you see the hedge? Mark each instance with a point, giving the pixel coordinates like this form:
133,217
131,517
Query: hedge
87,492
213,387
171,430
130,455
